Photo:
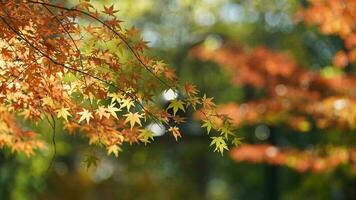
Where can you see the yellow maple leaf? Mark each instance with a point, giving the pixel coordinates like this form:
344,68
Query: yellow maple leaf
127,103
146,135
63,112
114,149
48,101
112,110
85,115
115,97
133,118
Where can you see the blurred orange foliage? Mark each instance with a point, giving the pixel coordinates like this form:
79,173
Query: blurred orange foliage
291,90
334,17
302,161
293,95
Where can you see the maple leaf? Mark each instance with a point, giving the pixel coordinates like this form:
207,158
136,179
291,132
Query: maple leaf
220,144
127,103
102,111
113,23
159,67
110,10
146,135
207,102
193,101
178,119
176,105
175,132
133,118
141,45
115,97
114,149
48,101
208,125
190,89
95,139
112,110
85,115
133,31
63,112
169,74
226,131
237,141
91,160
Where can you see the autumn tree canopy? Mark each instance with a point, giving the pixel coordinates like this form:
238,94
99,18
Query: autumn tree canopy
82,67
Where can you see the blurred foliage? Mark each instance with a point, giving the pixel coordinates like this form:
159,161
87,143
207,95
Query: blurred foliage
188,168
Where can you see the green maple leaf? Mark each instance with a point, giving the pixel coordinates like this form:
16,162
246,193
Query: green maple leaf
208,125
220,144
176,105
237,141
226,131
91,160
